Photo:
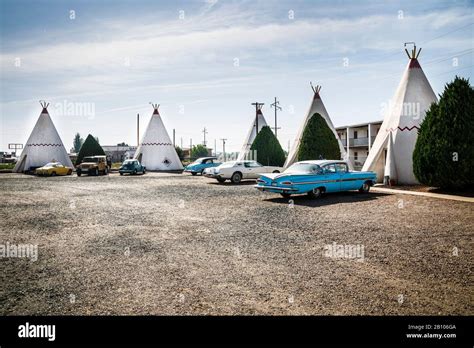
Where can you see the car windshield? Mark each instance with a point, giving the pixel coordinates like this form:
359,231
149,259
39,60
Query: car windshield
51,164
304,168
252,164
198,161
127,162
90,159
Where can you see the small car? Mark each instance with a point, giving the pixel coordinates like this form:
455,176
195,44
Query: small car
199,165
131,166
93,165
315,178
53,169
236,171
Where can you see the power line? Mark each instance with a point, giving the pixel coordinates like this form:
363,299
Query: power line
449,32
223,147
204,131
275,105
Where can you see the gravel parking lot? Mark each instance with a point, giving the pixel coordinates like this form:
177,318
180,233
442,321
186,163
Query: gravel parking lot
176,244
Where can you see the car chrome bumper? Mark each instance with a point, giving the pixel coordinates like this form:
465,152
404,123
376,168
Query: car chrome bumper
275,189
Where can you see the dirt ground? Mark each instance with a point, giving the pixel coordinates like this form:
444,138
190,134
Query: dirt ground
176,244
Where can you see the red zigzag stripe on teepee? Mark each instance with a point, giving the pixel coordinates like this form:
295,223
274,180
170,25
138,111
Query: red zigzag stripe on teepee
43,145
402,129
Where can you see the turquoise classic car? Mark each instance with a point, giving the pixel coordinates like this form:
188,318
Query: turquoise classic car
131,166
315,178
200,164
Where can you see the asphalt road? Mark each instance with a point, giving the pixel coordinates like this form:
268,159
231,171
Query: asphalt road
176,244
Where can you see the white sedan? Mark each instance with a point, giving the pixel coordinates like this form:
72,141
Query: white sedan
236,171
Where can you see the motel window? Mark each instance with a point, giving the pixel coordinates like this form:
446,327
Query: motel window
355,134
356,155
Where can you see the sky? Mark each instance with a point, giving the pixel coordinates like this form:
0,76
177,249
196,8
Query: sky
100,63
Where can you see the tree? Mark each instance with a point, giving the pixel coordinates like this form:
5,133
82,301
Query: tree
268,148
318,141
119,144
77,142
444,153
90,148
199,151
180,152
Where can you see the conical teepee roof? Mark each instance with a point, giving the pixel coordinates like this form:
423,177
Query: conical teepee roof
245,151
44,145
156,151
407,110
316,106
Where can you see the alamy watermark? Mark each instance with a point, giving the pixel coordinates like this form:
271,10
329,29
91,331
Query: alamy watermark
76,109
29,251
344,251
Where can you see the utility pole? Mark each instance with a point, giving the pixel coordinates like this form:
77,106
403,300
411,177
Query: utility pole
215,147
204,131
174,137
275,105
223,147
258,106
138,130
181,142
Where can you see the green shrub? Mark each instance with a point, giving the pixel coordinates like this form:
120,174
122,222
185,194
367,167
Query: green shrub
268,148
199,151
90,147
318,141
444,152
180,152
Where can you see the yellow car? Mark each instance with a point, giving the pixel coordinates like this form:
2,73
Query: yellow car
53,169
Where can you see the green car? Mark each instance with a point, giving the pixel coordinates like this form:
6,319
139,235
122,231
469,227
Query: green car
132,166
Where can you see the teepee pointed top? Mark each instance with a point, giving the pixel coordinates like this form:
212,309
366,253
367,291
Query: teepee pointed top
155,108
315,90
45,106
413,55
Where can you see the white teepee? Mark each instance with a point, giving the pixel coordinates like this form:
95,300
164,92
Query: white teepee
156,151
390,173
407,110
245,151
316,106
44,145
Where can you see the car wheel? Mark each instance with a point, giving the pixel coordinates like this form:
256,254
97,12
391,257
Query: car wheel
316,192
79,173
96,172
236,178
106,171
202,172
286,195
134,172
69,172
193,173
121,173
276,171
365,188
144,171
53,174
221,180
